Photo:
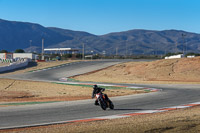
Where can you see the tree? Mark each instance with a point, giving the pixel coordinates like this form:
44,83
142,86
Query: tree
190,54
19,51
3,51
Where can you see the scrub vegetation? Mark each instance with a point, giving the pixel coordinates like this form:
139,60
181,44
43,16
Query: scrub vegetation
32,91
183,71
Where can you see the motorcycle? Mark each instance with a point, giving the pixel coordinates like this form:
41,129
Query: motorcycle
104,101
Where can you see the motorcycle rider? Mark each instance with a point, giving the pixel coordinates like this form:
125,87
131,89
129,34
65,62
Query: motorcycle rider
96,90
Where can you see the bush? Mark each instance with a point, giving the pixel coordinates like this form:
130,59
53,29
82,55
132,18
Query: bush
3,51
191,54
19,51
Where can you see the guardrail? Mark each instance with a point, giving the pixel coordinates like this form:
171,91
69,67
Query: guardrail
15,65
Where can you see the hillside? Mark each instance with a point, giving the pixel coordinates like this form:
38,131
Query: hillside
138,42
185,70
15,35
155,42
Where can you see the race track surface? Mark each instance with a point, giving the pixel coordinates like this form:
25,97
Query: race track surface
171,95
68,70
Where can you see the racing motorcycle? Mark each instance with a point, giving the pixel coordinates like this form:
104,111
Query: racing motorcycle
104,101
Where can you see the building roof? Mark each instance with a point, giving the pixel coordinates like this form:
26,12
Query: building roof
60,49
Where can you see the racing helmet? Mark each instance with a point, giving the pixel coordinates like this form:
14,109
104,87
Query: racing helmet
95,86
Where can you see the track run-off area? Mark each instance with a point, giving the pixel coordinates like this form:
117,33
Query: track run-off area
168,97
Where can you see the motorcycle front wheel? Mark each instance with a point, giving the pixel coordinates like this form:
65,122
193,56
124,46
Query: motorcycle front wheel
102,104
111,105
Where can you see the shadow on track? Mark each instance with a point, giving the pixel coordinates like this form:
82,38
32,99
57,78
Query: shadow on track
130,109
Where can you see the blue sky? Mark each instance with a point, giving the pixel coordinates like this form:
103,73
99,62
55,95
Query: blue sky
105,16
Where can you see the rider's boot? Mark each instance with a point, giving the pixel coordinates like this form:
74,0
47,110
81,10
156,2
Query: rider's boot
96,102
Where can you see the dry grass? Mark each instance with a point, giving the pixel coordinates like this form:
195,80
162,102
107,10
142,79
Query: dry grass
4,64
19,90
185,70
178,121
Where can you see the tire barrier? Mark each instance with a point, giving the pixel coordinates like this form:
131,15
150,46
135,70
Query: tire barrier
12,60
15,65
6,60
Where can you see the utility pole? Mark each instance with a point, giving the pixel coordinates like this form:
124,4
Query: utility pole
83,52
183,35
30,42
186,47
126,49
42,49
116,51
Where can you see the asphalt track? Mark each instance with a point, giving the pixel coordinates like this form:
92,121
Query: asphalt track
29,115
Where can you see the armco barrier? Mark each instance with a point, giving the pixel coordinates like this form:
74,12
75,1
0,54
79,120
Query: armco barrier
14,65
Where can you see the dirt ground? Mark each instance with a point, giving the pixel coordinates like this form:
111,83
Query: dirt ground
177,121
4,64
19,90
185,70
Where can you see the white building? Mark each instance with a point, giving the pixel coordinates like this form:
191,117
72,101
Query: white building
175,56
60,50
6,55
25,55
191,56
18,55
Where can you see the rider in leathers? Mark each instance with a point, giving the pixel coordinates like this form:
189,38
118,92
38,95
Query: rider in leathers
96,90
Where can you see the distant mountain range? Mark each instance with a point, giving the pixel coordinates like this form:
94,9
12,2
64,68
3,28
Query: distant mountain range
28,36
